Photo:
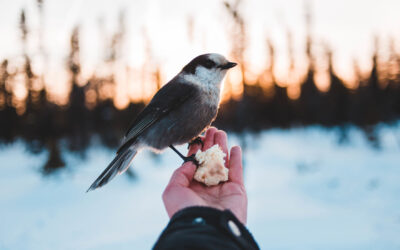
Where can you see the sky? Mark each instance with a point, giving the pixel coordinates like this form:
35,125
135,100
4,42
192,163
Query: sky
347,27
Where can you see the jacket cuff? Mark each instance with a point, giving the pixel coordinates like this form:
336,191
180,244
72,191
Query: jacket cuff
224,221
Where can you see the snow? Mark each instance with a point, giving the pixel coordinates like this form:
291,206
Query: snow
305,192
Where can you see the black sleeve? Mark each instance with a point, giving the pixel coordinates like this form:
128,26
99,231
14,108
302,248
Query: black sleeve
205,228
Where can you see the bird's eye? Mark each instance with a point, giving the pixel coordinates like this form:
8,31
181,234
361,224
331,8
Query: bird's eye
209,64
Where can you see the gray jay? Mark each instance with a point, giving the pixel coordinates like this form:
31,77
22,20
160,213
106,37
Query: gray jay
177,114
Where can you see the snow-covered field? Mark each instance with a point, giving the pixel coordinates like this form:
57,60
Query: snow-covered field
305,192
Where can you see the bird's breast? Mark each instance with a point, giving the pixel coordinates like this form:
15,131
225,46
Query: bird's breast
210,95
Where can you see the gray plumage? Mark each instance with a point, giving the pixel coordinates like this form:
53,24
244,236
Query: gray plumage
178,113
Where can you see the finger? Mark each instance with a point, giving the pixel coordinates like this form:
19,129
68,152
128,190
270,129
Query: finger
183,175
221,139
236,166
209,140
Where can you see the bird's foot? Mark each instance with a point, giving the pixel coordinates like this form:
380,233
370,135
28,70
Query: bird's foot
193,159
196,140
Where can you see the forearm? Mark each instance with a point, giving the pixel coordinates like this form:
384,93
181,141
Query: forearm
205,228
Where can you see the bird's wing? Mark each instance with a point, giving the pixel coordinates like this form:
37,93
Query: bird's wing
170,96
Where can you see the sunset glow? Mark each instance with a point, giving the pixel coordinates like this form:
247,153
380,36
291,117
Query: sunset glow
167,36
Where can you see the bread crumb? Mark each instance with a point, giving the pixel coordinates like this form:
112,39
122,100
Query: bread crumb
212,168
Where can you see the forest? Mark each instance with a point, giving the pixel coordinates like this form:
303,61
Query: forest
92,117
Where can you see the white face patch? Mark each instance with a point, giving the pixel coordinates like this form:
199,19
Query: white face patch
211,76
208,80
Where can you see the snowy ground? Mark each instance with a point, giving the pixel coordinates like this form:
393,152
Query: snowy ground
305,192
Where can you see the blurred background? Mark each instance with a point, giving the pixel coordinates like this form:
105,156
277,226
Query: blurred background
314,103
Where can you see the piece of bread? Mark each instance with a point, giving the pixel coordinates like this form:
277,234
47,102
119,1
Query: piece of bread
212,168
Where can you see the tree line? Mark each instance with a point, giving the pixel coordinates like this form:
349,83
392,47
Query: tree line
88,117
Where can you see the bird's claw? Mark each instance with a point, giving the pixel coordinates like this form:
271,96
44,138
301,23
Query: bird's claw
196,140
193,159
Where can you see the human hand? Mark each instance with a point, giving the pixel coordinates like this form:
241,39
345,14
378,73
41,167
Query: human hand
183,191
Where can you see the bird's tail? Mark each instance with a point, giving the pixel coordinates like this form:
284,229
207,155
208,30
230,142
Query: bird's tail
119,165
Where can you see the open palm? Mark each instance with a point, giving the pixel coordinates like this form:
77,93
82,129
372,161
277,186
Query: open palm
183,191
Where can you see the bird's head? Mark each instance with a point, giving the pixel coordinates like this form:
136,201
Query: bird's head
208,69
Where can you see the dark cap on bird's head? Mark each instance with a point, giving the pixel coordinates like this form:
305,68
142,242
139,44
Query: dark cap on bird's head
209,61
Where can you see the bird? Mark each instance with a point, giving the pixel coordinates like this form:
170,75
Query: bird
177,114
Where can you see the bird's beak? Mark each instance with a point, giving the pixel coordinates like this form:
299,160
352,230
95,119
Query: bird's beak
228,65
